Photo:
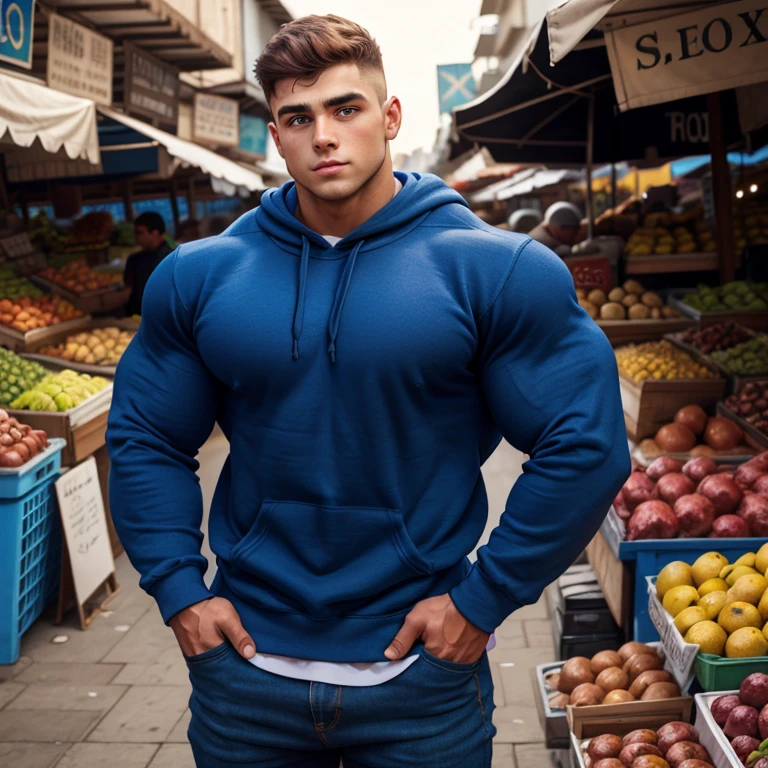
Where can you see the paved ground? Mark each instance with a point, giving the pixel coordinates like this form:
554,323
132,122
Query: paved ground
116,695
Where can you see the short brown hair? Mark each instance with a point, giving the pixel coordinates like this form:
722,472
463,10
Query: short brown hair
304,48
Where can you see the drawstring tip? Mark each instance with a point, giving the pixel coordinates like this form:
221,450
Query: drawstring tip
332,351
295,349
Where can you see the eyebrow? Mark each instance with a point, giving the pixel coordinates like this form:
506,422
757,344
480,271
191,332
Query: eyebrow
336,101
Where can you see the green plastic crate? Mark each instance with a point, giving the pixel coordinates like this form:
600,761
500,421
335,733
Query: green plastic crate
715,673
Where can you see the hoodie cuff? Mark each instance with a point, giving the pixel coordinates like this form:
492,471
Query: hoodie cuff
179,590
482,603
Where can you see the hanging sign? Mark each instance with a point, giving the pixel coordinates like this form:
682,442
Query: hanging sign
253,135
79,60
216,120
704,51
151,87
17,19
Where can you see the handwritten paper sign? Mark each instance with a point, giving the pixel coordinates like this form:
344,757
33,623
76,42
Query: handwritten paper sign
85,528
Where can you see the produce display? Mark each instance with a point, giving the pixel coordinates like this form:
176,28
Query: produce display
739,295
17,375
670,499
633,673
13,287
60,392
78,277
674,745
722,607
751,404
101,346
743,718
630,302
720,436
19,442
751,229
664,233
717,337
90,232
656,360
124,234
747,359
27,313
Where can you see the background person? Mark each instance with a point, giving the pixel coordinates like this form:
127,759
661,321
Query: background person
560,229
150,233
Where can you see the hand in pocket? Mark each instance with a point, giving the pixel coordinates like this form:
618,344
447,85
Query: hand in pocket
207,624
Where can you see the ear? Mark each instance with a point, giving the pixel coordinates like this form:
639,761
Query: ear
276,138
393,115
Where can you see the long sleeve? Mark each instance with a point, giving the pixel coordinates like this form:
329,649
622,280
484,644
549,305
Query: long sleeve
164,408
550,380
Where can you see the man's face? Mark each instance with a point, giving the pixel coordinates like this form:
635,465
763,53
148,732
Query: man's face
146,239
333,132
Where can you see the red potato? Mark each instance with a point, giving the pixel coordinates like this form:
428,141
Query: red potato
747,475
608,762
761,485
621,506
729,527
695,764
744,746
762,723
640,736
652,520
673,486
638,488
663,466
673,732
722,491
761,461
722,707
697,469
685,750
742,721
604,746
633,751
754,511
695,514
753,690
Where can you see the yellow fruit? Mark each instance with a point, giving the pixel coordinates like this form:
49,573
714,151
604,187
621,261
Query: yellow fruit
762,606
688,617
676,574
713,603
735,572
747,559
748,589
679,598
739,615
761,559
710,637
708,566
713,585
746,642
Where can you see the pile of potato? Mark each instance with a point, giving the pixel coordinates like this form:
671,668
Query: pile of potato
630,302
101,346
19,442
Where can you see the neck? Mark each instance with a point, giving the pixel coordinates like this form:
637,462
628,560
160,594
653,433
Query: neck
339,217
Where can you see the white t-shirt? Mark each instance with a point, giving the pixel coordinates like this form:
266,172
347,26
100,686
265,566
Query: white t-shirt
332,672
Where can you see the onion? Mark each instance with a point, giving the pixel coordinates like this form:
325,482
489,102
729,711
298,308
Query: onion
702,450
722,491
660,691
604,746
652,520
674,485
675,438
697,469
746,476
754,510
638,488
722,434
628,650
645,679
574,673
729,527
695,514
605,660
612,678
618,696
587,695
662,466
642,662
692,416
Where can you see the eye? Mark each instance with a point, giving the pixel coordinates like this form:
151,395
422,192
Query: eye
293,120
349,110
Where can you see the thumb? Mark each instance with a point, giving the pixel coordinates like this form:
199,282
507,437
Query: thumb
405,638
229,625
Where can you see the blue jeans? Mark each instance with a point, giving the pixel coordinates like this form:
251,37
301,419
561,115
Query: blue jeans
436,714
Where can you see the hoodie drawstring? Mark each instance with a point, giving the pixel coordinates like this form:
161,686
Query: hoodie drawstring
338,302
298,315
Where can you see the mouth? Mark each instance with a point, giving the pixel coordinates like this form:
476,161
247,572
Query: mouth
328,167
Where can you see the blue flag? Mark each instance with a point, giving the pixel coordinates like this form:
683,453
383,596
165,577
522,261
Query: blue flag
455,85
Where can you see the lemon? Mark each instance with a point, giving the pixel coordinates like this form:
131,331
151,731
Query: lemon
679,598
746,642
676,574
713,603
710,637
688,617
738,616
761,559
748,559
762,606
748,589
708,566
732,573
713,585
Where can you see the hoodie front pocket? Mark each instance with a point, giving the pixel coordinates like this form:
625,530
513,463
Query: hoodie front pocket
325,561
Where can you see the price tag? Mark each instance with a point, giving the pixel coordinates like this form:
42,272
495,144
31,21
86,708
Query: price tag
591,272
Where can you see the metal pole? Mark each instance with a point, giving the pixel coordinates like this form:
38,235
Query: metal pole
721,190
590,153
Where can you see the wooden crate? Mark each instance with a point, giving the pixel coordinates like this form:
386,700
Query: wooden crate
620,332
17,341
757,320
614,578
103,300
753,437
649,405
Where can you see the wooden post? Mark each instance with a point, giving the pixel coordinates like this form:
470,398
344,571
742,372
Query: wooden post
128,199
721,190
191,198
174,205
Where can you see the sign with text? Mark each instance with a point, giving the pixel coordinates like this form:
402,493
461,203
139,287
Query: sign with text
253,135
151,87
79,60
711,49
216,120
85,528
17,19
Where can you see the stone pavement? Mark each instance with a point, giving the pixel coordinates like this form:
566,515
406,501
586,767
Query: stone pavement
116,695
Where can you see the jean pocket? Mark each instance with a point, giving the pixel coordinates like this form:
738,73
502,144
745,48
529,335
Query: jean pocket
210,655
324,561
449,666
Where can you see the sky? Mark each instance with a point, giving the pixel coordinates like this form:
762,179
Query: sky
415,36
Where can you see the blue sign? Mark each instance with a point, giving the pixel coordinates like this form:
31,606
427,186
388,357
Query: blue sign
17,21
455,86
253,135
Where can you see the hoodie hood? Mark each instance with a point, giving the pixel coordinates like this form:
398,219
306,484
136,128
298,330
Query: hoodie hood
418,198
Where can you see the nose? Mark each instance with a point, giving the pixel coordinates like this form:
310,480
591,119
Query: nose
324,137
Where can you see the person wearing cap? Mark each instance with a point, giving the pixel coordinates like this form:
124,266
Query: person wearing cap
524,220
560,228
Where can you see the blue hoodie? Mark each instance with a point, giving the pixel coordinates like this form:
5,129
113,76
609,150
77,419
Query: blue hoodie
361,388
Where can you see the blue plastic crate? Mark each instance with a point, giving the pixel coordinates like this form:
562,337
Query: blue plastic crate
30,562
17,482
652,555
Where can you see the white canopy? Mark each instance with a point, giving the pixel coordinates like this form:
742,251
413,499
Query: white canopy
227,176
30,111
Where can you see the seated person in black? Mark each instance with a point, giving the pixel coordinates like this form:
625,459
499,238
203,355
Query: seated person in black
150,235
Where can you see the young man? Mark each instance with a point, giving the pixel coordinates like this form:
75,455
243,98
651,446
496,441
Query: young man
364,342
150,235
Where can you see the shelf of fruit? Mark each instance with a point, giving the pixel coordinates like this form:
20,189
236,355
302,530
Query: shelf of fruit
97,350
13,287
59,392
78,278
739,301
17,375
748,408
660,360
